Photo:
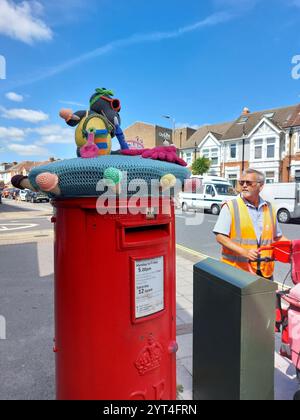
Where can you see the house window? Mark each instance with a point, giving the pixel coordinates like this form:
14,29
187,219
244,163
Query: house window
271,148
270,177
188,158
233,151
214,156
205,153
233,180
297,176
258,149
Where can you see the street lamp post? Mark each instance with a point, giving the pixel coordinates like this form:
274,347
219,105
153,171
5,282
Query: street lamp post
168,117
243,149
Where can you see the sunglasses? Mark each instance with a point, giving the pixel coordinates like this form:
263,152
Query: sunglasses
115,104
248,183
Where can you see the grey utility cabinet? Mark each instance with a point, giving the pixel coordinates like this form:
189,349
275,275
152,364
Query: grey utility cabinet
233,334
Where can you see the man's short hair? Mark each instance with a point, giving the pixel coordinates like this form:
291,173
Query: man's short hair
260,176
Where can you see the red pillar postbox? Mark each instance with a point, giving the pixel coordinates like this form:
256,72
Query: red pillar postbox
115,304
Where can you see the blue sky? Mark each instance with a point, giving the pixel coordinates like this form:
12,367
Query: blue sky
199,61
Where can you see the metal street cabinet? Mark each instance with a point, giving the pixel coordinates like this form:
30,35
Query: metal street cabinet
233,342
115,320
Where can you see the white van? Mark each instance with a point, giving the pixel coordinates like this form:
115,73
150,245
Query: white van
23,194
213,192
210,178
285,197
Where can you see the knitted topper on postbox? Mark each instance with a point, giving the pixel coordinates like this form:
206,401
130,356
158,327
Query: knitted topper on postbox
95,129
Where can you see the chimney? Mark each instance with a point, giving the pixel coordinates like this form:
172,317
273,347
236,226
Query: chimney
246,111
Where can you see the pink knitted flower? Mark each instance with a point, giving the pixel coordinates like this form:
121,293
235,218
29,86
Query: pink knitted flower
166,154
89,150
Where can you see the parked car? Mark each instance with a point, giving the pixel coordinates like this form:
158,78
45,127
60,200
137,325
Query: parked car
285,197
37,197
1,189
11,193
23,195
211,193
5,193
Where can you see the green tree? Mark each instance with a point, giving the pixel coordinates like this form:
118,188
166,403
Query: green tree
201,165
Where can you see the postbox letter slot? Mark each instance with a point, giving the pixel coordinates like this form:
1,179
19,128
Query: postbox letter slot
142,235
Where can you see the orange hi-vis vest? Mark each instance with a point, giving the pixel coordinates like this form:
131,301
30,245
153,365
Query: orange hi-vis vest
243,234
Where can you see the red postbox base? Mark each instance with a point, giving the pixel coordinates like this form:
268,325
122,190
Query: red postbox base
115,304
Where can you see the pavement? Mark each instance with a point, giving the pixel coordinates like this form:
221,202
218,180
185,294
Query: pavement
27,361
286,383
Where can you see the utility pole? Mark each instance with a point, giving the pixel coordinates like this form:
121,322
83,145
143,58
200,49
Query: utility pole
196,147
243,152
291,132
168,117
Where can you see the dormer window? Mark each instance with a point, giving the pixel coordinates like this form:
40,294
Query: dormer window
243,119
269,115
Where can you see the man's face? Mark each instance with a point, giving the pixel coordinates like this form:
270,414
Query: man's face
250,187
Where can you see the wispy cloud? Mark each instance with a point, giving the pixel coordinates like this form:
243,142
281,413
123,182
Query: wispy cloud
20,21
28,150
12,133
72,103
53,134
15,97
47,134
28,115
135,39
34,140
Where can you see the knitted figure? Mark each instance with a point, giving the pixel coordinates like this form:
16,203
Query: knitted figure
103,117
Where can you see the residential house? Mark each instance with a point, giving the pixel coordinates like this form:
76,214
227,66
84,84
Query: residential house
4,170
206,141
268,141
22,168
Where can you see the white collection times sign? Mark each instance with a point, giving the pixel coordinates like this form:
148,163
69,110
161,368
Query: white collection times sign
149,286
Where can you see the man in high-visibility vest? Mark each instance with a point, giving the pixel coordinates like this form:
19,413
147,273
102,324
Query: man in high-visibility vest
246,224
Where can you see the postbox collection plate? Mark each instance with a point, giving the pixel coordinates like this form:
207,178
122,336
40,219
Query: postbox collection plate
148,286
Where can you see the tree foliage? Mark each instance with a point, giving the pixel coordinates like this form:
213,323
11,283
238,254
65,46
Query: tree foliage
201,166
